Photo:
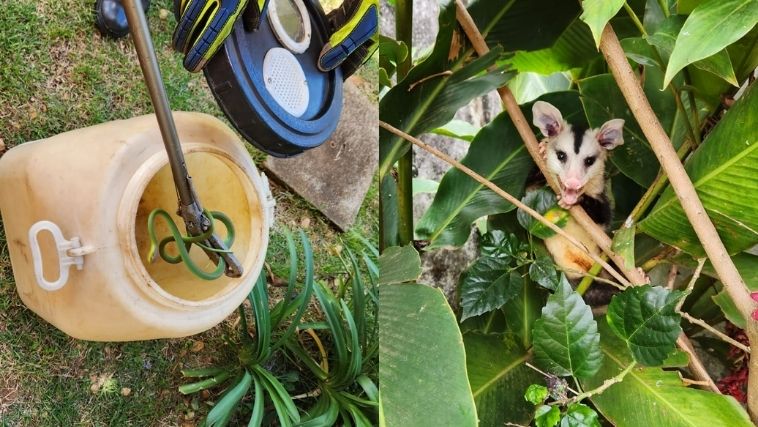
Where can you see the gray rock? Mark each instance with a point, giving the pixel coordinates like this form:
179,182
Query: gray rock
336,176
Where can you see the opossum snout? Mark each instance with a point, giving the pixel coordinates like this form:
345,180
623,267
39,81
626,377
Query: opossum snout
572,184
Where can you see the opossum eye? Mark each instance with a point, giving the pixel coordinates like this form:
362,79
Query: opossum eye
589,161
561,156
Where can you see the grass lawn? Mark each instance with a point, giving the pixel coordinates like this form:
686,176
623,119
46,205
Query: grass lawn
58,74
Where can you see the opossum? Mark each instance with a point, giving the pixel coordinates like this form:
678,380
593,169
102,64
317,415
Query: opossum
575,155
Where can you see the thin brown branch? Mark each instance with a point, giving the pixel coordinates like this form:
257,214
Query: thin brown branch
691,284
500,192
597,234
603,387
714,331
696,365
545,374
442,74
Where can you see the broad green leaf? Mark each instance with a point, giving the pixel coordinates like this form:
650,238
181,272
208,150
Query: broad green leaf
644,317
597,13
391,53
492,280
523,309
399,264
579,415
623,245
458,129
512,23
565,338
723,171
574,48
712,26
390,215
547,416
732,314
654,397
665,38
746,263
527,87
498,378
423,185
536,394
417,386
545,203
428,97
543,271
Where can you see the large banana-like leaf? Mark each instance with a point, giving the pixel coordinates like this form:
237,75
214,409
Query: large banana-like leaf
422,374
712,26
723,170
597,13
433,90
497,153
655,397
499,379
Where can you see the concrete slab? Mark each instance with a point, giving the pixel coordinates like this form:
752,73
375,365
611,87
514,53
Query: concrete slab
336,176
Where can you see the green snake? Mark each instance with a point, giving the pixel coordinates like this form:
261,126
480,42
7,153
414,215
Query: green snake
184,243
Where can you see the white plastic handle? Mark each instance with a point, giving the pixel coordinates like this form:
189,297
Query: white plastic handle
62,246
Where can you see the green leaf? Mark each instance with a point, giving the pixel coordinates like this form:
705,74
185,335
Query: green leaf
665,38
566,341
498,377
623,245
523,309
545,203
399,264
527,87
597,13
492,280
654,397
579,415
723,171
730,310
543,271
547,416
423,185
712,26
574,48
389,216
417,386
391,53
458,129
428,97
645,318
222,411
536,394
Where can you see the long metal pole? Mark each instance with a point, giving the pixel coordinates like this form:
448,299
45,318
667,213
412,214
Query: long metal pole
143,43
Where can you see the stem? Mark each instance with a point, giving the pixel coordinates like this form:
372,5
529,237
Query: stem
680,181
696,365
500,192
545,374
693,104
691,284
404,33
596,233
635,19
715,331
664,7
587,280
603,387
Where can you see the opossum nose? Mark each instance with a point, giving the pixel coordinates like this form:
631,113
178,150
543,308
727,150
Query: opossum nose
572,184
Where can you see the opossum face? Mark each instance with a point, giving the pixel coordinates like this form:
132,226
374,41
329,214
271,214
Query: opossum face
576,155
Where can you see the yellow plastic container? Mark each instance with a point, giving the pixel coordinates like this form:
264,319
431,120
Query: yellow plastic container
75,209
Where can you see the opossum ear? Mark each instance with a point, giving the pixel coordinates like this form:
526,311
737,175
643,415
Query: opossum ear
546,117
611,134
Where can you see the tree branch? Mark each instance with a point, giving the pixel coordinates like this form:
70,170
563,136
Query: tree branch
597,234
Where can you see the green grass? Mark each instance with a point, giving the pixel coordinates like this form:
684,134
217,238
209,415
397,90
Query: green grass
57,74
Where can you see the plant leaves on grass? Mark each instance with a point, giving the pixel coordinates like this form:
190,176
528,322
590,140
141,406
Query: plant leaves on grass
712,26
498,154
654,397
417,385
597,13
565,338
644,317
492,280
399,264
723,171
498,379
